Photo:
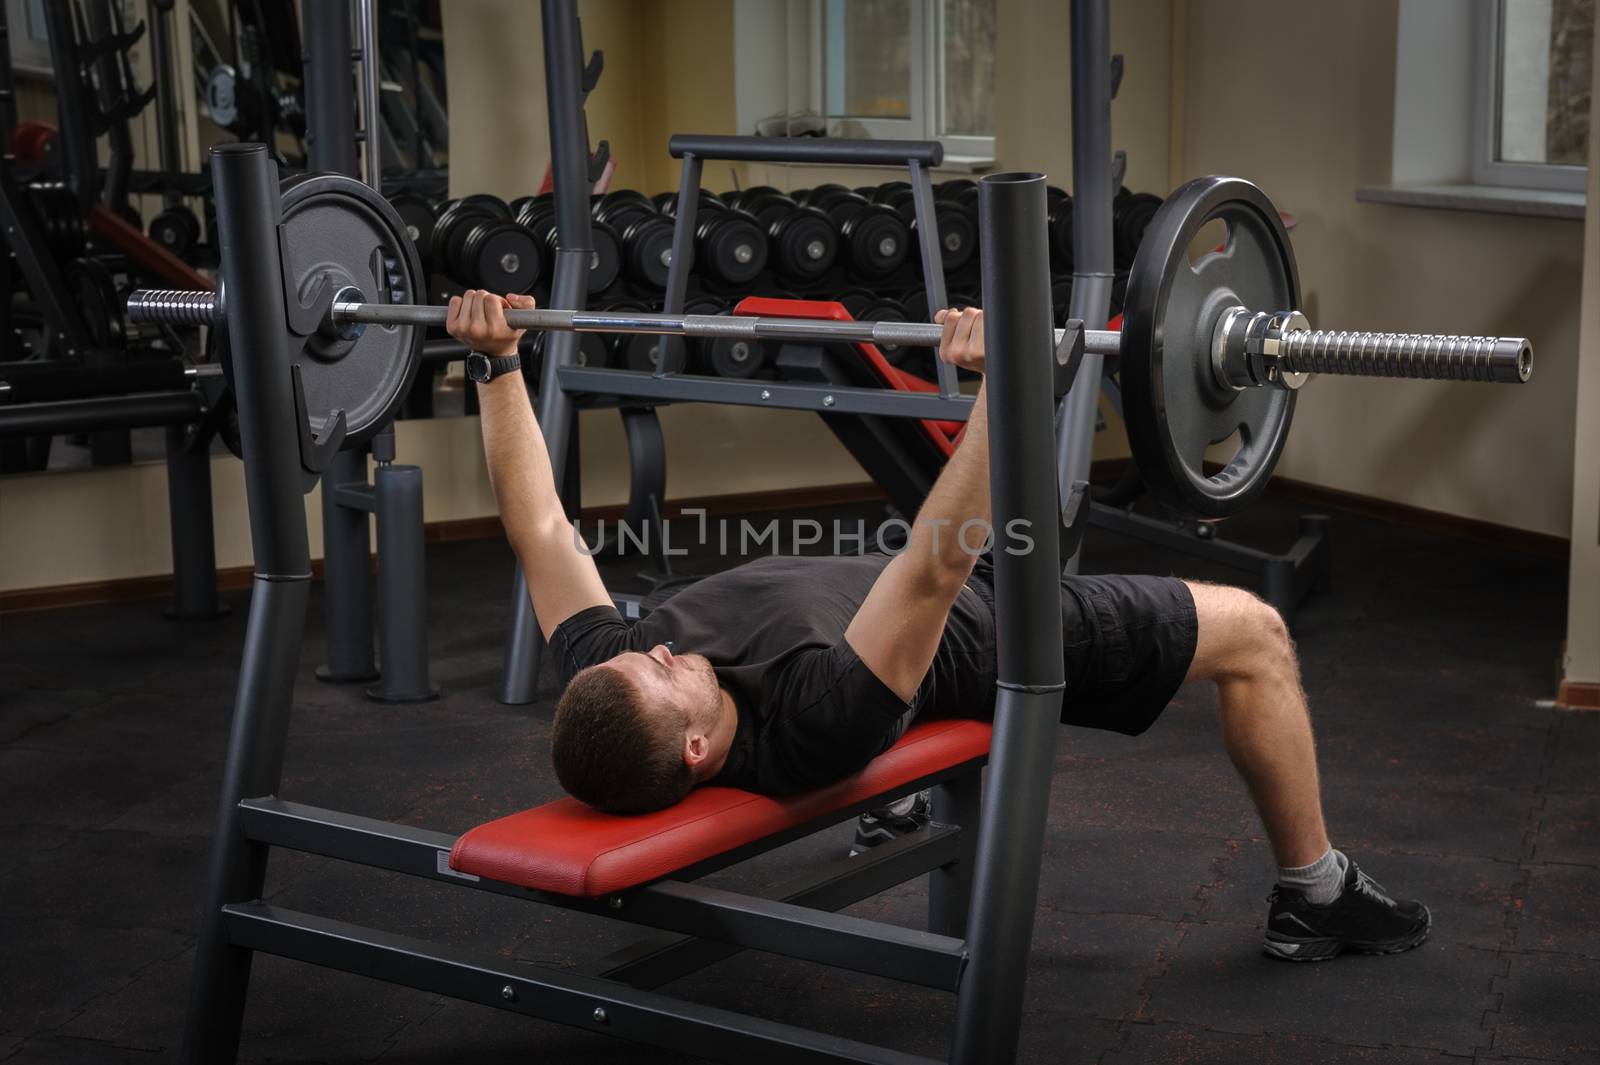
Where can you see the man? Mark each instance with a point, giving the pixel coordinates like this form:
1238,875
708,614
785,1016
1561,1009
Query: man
787,673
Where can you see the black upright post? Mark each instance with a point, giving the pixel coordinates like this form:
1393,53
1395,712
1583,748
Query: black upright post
194,552
569,169
402,584
1093,266
245,182
330,87
1019,330
346,535
165,100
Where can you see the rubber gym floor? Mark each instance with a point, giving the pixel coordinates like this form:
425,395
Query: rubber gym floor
1443,773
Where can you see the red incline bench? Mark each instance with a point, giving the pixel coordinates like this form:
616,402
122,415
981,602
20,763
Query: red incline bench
566,848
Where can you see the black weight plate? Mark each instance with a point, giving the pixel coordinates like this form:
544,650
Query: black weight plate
878,239
417,214
731,246
1172,403
338,232
502,255
954,188
958,234
92,284
806,243
177,229
647,242
489,202
605,258
739,358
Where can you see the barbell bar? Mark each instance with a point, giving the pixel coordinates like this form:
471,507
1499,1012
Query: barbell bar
1251,348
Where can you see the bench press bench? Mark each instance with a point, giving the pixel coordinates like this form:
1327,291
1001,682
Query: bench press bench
565,848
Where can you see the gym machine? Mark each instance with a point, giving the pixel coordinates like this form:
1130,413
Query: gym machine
82,377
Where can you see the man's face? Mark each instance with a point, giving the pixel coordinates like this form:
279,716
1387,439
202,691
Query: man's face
683,683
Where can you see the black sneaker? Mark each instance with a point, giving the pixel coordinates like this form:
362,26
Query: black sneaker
885,823
1362,919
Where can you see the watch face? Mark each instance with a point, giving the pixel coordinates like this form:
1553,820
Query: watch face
478,367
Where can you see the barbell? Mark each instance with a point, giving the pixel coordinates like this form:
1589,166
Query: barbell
1211,346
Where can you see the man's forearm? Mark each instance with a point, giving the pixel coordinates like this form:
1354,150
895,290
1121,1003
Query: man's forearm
959,499
518,460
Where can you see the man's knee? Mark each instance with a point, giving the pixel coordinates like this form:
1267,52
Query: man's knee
1240,634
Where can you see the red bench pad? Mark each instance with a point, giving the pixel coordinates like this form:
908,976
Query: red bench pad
566,848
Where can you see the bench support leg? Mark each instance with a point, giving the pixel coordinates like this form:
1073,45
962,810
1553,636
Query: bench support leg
955,802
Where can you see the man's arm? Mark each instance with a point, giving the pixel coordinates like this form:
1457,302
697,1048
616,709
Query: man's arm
897,629
562,578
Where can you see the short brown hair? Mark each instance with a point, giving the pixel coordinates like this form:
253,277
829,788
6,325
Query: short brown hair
610,753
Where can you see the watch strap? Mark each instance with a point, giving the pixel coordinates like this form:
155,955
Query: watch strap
501,364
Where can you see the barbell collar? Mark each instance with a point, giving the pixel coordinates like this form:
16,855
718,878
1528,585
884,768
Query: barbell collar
1506,360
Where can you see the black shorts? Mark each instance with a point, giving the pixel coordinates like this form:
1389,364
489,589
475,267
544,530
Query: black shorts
1128,643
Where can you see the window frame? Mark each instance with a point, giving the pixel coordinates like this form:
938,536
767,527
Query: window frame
925,92
1487,169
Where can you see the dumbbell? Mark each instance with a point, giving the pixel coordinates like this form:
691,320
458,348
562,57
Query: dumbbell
631,351
1061,299
667,202
538,217
177,229
645,235
957,219
416,212
642,351
56,206
730,246
867,306
803,242
697,350
593,351
955,188
736,357
1131,213
1060,208
476,243
742,197
876,239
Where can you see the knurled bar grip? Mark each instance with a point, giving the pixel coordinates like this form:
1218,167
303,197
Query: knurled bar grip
1434,358
1445,358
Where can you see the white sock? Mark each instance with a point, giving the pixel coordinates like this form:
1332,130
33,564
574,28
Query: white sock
1322,881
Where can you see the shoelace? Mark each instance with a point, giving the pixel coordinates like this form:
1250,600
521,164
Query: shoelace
1372,889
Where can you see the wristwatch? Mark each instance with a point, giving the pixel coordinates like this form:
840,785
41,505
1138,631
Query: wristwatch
483,368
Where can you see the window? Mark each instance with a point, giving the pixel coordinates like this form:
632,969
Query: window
914,69
1532,120
30,40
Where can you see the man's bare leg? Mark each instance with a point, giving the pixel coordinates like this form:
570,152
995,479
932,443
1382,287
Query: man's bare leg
1244,646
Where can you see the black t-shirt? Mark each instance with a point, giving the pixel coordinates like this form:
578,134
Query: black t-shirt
810,711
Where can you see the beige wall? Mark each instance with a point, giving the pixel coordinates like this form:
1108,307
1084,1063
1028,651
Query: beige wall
1310,119
1309,123
1582,663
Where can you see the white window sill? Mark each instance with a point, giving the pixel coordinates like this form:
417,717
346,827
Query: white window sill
967,164
1489,199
